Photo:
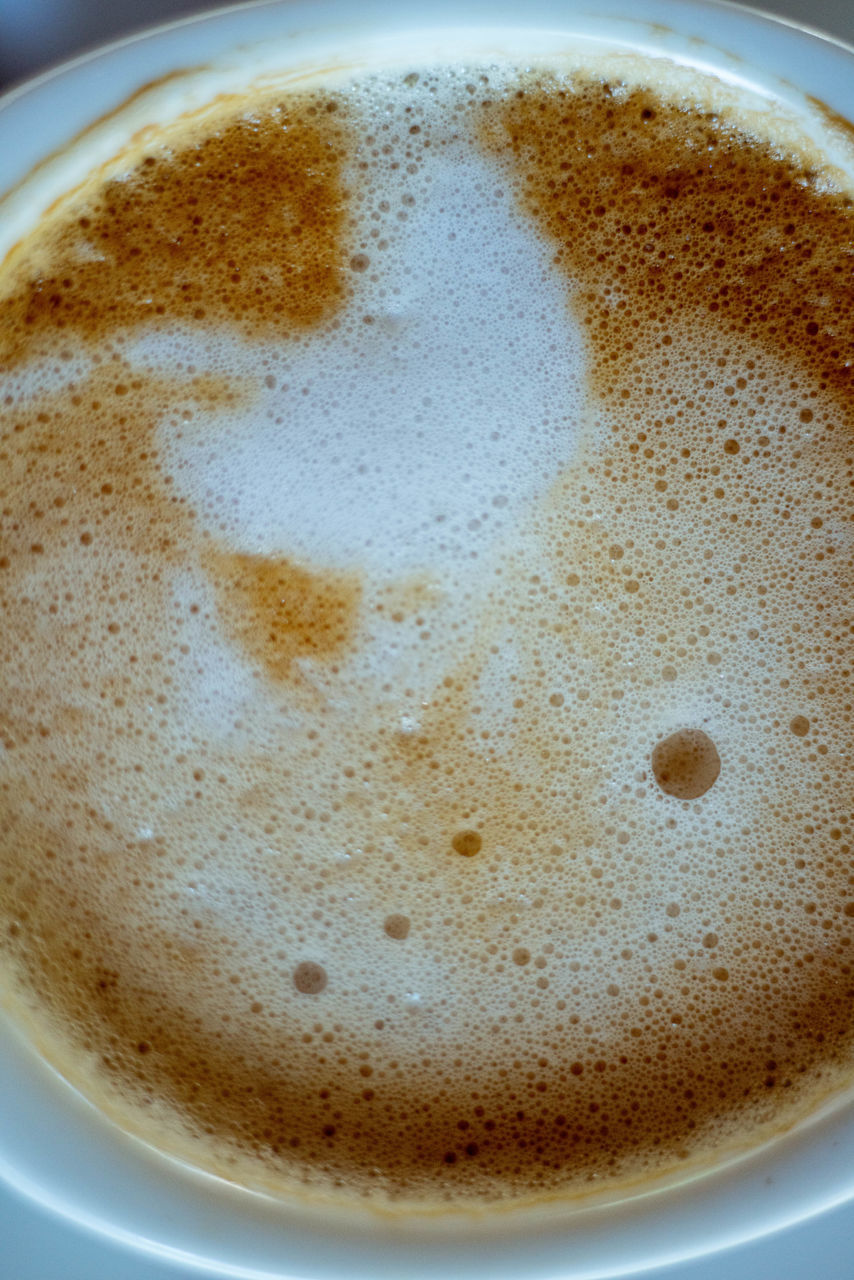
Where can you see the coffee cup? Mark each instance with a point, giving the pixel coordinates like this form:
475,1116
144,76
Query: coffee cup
96,1164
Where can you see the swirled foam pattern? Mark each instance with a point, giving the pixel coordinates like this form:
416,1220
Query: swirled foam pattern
426,577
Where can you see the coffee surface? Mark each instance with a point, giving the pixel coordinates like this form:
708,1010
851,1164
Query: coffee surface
426,576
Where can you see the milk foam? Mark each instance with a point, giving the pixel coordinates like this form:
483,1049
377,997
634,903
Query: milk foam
436,399
367,866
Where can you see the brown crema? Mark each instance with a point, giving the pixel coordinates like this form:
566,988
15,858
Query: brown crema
658,995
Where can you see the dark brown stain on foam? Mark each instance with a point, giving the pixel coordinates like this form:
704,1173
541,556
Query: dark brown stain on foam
245,226
663,217
279,611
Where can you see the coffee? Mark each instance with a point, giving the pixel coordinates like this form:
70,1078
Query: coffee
425,580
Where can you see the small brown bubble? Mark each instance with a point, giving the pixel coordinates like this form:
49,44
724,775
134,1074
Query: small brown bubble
360,262
467,843
397,927
710,940
799,726
310,978
686,764
521,955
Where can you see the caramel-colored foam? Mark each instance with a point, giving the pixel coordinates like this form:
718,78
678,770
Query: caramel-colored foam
249,227
279,612
679,227
501,852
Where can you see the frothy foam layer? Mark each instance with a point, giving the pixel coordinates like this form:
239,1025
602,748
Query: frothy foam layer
426,581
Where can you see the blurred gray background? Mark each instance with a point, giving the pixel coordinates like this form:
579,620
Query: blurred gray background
38,33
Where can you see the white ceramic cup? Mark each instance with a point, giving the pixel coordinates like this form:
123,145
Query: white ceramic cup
54,1147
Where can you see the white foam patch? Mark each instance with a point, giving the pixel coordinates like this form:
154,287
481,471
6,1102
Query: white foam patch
413,440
